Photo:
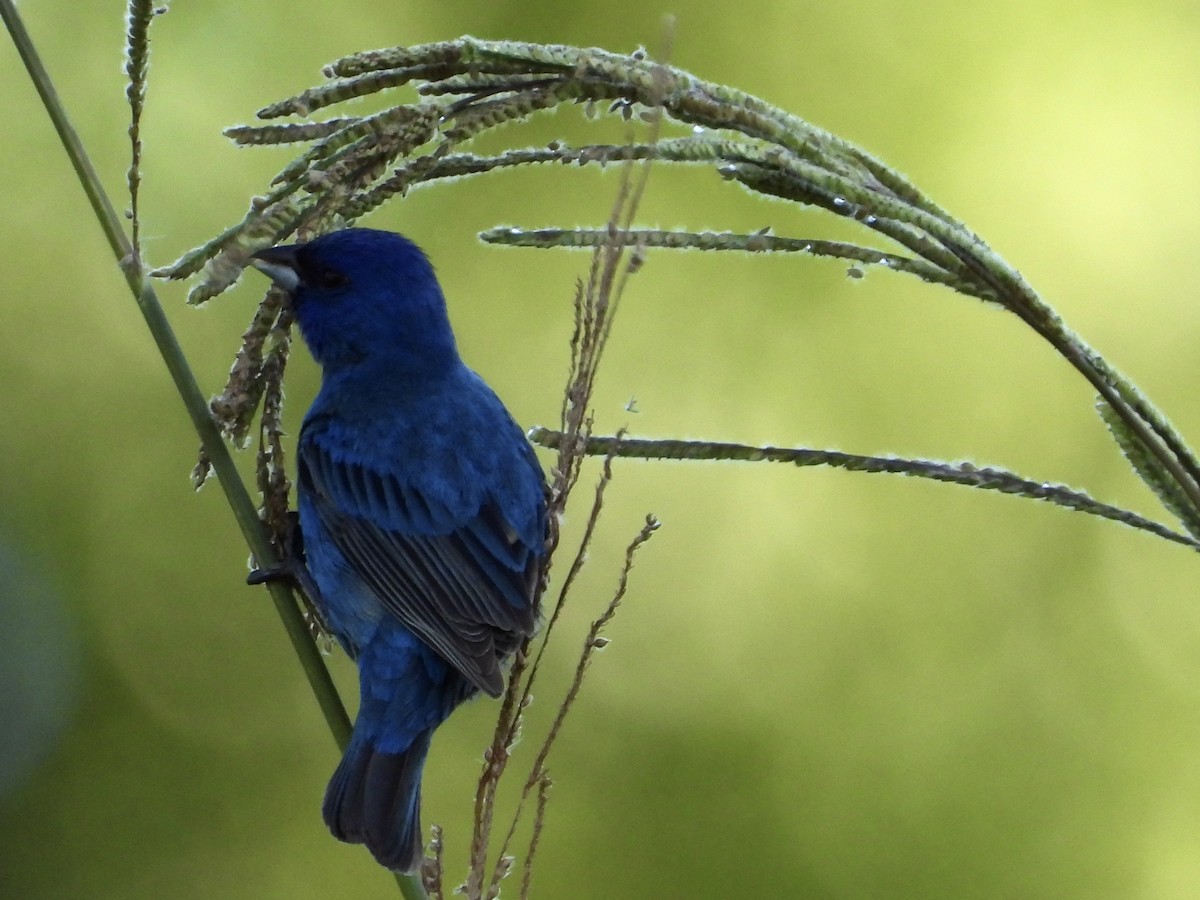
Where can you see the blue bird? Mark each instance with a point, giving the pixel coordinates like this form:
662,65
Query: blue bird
422,514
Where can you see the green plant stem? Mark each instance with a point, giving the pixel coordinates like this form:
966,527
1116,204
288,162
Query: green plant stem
239,498
189,391
966,474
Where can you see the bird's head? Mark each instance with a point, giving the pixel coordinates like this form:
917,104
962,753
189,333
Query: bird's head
364,297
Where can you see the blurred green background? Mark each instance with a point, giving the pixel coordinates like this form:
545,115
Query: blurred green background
821,684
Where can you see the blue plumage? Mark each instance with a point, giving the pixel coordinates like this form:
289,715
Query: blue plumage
422,511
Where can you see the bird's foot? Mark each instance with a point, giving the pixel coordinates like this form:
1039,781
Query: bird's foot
292,568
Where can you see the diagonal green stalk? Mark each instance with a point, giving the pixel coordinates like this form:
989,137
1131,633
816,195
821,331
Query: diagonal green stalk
240,502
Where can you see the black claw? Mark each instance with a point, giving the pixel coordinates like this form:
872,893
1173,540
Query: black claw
293,567
278,573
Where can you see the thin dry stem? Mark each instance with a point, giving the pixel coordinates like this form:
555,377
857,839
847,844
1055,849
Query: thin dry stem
539,821
592,643
594,304
433,869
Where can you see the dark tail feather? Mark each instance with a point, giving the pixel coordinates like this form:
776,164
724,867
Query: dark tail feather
374,799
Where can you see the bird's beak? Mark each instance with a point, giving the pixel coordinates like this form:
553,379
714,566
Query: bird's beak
278,264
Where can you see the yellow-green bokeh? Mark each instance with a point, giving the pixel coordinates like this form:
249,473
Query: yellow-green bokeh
821,684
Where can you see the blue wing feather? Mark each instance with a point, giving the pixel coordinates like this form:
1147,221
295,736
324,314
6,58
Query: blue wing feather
463,584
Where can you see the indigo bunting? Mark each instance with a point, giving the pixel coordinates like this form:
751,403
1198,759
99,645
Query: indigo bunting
422,515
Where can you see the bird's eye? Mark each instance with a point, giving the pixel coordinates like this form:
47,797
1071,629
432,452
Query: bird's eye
330,279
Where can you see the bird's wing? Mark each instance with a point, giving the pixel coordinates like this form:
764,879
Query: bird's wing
458,585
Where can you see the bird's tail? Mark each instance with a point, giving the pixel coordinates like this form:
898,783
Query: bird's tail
374,798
